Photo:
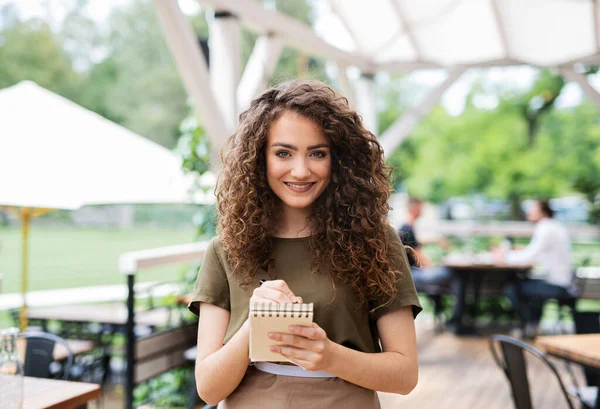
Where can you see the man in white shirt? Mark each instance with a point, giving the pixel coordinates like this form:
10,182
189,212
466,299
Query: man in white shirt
550,249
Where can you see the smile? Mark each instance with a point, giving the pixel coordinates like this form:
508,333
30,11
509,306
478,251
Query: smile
299,187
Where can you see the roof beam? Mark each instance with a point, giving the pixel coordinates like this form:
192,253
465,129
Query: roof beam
365,102
590,59
191,65
400,15
395,66
501,28
293,32
581,79
224,43
259,69
597,24
404,125
345,86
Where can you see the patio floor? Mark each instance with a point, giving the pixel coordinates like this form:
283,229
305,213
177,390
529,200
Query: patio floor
459,372
455,372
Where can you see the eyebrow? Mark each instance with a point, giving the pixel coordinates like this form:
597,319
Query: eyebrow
292,147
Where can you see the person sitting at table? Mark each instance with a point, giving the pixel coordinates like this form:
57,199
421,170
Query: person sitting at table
424,273
550,248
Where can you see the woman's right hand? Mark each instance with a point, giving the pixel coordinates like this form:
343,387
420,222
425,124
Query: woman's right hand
276,291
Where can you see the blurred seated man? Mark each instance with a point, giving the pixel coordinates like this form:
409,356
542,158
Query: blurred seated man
549,248
423,272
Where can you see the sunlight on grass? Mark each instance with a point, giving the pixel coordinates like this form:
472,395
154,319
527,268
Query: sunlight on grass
74,257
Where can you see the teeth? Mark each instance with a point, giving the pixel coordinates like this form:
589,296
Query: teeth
298,186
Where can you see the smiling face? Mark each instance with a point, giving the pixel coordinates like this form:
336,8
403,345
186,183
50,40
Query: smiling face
298,159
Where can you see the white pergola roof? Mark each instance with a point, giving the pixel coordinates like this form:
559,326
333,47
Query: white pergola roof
394,35
375,36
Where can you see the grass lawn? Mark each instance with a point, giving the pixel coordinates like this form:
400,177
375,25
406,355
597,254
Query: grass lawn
74,257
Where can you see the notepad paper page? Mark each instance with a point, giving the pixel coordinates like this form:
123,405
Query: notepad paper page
272,317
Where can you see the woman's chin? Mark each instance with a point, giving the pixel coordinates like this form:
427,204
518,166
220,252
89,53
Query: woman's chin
298,204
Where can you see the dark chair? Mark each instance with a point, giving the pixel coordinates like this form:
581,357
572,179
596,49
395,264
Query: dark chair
39,355
588,322
514,365
566,304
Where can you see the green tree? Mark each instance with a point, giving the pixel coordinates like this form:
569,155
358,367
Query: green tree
141,84
523,148
29,50
571,140
81,36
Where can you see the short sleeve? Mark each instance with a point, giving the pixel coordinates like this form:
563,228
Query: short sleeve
406,293
212,286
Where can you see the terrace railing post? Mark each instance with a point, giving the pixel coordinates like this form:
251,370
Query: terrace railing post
129,264
129,333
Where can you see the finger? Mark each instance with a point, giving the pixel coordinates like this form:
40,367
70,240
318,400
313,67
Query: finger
273,294
301,363
255,300
313,332
279,285
294,340
293,352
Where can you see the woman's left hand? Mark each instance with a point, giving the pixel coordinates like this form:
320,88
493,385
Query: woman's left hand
307,347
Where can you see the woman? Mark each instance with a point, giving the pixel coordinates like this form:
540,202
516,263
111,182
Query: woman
303,205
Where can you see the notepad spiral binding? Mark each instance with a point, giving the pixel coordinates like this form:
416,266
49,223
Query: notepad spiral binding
264,309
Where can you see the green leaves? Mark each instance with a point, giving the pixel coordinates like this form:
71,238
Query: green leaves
494,152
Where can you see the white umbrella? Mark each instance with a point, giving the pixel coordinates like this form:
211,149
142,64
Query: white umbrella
55,154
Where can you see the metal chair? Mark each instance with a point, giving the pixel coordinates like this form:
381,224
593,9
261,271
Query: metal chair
39,355
588,322
514,365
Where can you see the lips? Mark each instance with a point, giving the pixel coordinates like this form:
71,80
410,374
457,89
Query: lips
299,187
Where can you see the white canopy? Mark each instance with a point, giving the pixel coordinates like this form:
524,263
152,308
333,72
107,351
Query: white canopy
390,35
377,36
57,154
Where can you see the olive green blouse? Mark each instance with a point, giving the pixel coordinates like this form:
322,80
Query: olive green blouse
339,313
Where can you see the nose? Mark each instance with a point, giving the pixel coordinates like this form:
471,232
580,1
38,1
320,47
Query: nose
300,170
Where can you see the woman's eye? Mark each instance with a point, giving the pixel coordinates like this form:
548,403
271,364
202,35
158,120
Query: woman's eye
282,154
318,154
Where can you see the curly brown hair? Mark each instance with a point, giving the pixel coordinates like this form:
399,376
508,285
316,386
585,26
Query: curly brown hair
348,224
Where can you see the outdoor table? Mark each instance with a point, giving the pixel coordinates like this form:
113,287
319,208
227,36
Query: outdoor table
583,349
111,314
77,347
54,394
470,270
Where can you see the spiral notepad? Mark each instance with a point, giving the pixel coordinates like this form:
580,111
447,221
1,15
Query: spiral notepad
272,317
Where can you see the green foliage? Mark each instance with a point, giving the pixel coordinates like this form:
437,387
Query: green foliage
494,152
139,82
194,146
166,390
80,36
30,51
570,139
